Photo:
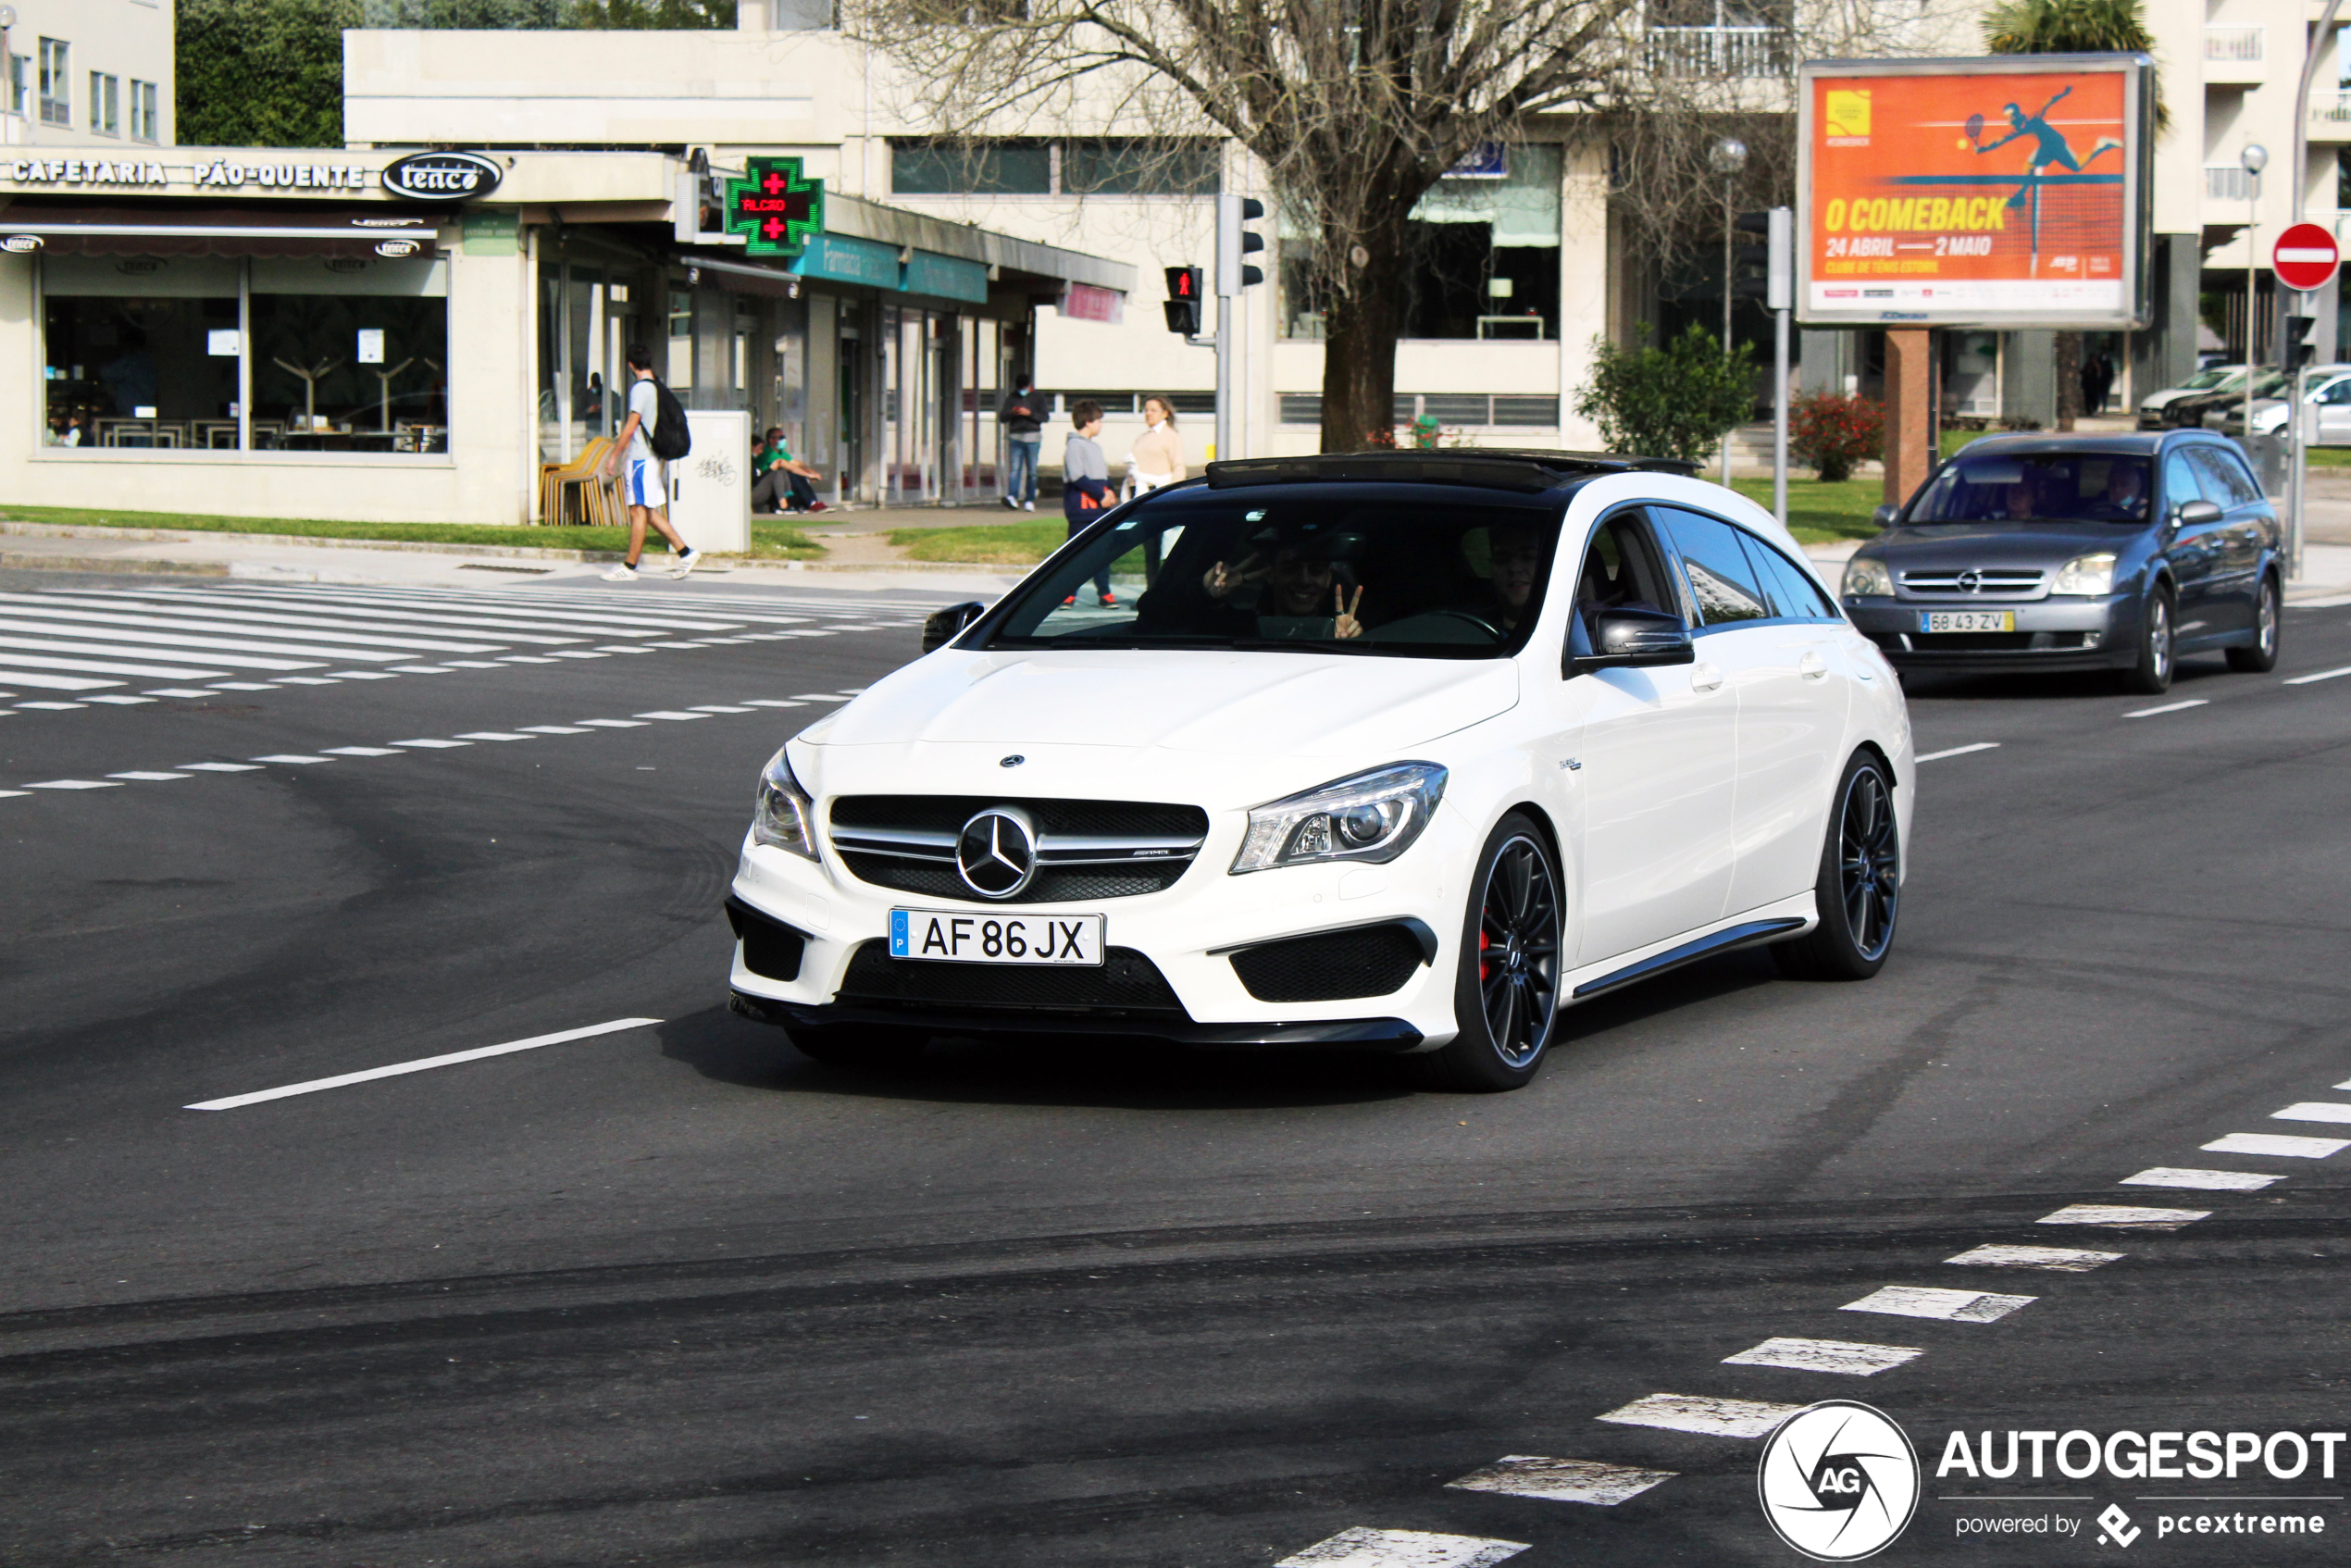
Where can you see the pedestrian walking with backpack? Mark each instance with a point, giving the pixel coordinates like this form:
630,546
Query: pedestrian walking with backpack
653,436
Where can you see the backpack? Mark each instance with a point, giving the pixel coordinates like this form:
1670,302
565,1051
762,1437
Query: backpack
669,437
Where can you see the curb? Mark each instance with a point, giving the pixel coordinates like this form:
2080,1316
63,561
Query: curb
10,561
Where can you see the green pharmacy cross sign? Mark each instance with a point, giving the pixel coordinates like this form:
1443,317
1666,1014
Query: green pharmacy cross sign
775,208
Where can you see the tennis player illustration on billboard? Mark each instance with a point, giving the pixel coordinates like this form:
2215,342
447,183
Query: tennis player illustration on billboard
2049,146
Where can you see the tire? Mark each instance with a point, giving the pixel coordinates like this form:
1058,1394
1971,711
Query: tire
2260,656
2151,677
1860,887
1506,994
863,1047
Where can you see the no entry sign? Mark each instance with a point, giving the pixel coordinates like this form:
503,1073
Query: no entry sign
2305,256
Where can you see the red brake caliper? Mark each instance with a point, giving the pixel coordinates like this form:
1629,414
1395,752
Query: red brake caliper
1485,971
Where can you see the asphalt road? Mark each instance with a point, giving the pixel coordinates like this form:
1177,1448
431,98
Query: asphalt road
674,1294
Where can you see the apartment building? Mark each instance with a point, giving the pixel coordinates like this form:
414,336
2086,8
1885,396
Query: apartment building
86,73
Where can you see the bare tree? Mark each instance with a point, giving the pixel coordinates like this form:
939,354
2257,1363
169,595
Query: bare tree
1351,109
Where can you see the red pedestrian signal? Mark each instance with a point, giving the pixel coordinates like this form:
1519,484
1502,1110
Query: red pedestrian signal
1183,300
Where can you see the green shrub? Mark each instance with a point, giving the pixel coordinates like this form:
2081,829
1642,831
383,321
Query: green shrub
1678,400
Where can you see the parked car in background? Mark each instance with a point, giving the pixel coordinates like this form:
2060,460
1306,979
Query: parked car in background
2328,397
2203,410
2071,553
2152,408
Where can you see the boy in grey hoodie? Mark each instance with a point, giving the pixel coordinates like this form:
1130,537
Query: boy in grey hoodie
1086,483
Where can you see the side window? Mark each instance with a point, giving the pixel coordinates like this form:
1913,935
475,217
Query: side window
2224,477
1720,577
1622,570
1791,590
2179,482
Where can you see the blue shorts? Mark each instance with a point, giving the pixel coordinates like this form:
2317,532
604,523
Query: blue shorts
641,484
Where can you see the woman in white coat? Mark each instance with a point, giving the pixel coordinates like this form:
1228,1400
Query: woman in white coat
1157,456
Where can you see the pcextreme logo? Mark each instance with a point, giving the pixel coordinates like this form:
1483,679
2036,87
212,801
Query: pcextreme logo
1838,1481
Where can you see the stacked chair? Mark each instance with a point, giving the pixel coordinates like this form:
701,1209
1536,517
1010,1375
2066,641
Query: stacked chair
598,501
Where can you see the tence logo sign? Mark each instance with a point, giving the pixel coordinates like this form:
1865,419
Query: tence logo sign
1838,1481
441,177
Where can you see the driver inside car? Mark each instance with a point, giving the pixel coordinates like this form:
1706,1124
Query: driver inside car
1300,596
1516,554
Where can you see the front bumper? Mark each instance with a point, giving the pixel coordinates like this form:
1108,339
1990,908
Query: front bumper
2067,633
807,934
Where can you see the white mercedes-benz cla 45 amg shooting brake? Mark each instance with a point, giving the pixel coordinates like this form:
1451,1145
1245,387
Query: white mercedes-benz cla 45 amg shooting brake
1391,752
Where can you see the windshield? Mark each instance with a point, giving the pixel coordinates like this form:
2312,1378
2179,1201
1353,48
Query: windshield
1418,573
2072,487
2203,379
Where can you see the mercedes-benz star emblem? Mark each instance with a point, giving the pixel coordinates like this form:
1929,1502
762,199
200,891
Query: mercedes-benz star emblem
1969,580
1012,761
996,852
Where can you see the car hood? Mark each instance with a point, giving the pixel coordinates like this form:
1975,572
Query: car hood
2166,398
1956,546
1239,703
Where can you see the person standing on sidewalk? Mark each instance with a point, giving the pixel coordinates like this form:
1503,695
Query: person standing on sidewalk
1157,456
1086,492
645,482
1022,423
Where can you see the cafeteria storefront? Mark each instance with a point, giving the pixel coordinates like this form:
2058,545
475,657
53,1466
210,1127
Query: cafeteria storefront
369,336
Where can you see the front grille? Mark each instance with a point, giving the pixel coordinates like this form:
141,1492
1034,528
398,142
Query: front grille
1125,982
1332,965
1085,849
1986,641
1992,582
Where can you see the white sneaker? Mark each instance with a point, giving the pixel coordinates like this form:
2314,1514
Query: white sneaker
685,563
1028,506
622,573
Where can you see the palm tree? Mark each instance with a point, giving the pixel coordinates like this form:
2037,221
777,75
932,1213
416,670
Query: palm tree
2072,27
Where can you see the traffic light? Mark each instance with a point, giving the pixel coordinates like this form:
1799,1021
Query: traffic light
1765,270
1236,244
1183,300
2298,349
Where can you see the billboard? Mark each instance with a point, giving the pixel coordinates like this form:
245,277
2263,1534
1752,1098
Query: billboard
2005,191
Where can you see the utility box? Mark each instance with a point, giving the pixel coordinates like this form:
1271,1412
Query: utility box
710,487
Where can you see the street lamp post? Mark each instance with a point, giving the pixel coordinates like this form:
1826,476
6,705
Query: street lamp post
1727,158
2255,158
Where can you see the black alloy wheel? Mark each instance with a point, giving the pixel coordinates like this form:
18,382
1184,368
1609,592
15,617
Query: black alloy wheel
2151,677
2261,655
1506,999
1859,892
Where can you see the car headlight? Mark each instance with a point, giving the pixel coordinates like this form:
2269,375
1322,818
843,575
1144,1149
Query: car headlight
1372,816
1865,578
2085,574
783,816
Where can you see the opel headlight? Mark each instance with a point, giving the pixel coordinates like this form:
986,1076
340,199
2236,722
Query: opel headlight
1372,816
1866,578
2085,574
783,816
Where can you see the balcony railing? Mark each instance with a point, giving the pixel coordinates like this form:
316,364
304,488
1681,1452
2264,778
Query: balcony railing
1720,51
2233,43
2227,182
2330,108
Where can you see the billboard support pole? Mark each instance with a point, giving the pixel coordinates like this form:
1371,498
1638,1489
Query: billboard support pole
1779,288
2313,42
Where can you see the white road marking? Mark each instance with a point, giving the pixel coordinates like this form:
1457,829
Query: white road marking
241,686
2313,1111
728,642
1825,1355
76,707
575,653
5,794
91,623
2064,1260
2121,1217
147,777
74,784
174,669
718,708
55,682
292,757
673,645
364,675
472,664
2319,675
1562,1480
2168,708
120,702
363,751
421,1065
557,729
774,703
1946,1306
2206,1181
2346,1084
1959,750
1696,1413
818,697
2277,1143
433,745
614,723
623,648
439,669
120,641
491,735
220,767
1359,1548
178,691
672,714
308,681
524,659
808,633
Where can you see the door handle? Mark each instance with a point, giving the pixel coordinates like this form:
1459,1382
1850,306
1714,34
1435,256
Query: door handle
1705,678
1811,666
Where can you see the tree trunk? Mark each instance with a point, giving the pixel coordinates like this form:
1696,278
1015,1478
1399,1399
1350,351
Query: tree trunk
1359,354
2068,379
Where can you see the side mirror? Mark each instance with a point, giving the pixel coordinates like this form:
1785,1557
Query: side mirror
943,627
1883,516
2194,514
1633,640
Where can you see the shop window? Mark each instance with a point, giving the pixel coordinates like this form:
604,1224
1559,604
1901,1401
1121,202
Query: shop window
19,82
350,354
140,351
105,104
1482,257
680,373
145,126
56,83
980,169
1112,166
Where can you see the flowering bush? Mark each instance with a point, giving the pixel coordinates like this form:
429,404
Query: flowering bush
1833,433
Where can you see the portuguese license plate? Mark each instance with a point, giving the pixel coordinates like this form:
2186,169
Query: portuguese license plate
1967,620
948,937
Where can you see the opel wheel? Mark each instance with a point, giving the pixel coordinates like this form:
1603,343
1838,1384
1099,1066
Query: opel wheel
2151,677
2261,655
